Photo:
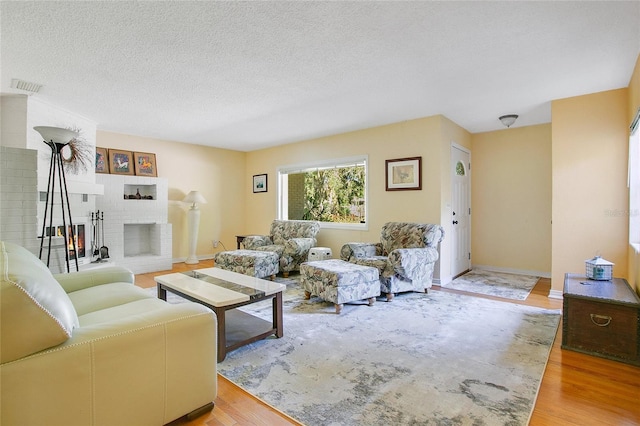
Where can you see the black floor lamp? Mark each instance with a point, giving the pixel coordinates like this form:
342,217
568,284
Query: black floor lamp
57,138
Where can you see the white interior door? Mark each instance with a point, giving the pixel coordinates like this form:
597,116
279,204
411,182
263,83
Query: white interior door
460,210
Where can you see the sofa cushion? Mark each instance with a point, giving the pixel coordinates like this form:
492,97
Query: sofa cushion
111,316
35,312
283,230
396,235
106,296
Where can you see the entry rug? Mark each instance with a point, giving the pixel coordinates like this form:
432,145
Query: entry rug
499,284
425,359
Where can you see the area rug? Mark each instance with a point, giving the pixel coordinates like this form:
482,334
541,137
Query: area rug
422,359
499,284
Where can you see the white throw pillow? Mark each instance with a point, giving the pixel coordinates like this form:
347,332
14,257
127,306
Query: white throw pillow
35,311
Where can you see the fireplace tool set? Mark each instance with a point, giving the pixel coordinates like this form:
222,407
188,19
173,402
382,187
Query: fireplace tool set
98,248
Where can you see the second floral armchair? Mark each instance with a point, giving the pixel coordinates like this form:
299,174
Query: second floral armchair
291,239
405,256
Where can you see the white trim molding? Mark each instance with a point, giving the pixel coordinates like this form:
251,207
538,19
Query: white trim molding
512,271
442,280
555,294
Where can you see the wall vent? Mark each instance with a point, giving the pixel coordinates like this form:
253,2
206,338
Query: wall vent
25,85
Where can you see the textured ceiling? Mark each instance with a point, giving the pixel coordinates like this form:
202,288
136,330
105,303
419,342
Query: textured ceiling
248,75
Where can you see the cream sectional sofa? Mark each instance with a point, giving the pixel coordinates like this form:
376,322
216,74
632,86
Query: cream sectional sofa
91,348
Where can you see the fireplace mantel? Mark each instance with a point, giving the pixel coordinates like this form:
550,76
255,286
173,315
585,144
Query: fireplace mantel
73,186
137,232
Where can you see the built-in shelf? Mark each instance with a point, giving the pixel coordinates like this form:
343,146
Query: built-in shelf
146,192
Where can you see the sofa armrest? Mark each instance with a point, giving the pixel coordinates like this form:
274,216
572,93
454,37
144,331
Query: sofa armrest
360,250
412,263
149,368
74,281
298,246
251,242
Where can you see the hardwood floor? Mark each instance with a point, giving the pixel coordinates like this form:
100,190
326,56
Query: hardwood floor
576,389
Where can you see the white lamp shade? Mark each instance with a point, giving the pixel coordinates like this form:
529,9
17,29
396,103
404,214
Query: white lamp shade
194,197
56,134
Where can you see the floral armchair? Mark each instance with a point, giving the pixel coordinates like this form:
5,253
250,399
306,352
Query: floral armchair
405,256
291,239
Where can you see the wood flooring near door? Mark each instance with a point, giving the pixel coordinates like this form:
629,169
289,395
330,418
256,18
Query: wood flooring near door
576,389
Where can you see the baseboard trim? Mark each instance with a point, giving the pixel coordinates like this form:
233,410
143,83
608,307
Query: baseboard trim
442,280
182,259
512,271
555,294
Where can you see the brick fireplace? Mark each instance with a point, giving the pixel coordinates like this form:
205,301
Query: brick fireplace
136,229
143,245
23,211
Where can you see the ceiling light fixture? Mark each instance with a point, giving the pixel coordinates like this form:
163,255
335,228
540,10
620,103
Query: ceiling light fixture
509,119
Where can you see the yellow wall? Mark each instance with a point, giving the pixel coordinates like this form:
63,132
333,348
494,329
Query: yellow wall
634,104
428,137
511,199
573,170
225,179
218,174
590,196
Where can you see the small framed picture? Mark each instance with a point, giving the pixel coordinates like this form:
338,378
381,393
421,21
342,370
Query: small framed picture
260,183
145,164
404,174
102,160
120,162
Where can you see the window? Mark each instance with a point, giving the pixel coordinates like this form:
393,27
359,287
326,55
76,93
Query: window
332,192
634,182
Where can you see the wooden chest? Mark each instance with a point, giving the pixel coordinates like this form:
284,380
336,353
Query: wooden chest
601,318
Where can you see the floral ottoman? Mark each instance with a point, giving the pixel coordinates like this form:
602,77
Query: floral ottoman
339,282
259,264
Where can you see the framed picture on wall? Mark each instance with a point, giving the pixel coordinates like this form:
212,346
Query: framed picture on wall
404,174
120,162
102,160
145,164
260,183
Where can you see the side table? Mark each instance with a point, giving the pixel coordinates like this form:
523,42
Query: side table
239,240
601,318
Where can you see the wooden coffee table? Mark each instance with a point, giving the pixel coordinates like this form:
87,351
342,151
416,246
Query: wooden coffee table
224,291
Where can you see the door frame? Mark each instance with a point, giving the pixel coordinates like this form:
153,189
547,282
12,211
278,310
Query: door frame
453,245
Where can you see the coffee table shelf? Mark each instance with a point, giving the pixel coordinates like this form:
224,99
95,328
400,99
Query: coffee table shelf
243,328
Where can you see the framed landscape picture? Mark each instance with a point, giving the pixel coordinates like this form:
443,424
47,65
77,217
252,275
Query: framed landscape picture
120,162
102,160
403,174
145,164
260,183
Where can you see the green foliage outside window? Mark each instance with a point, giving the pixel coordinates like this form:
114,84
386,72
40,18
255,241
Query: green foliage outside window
335,195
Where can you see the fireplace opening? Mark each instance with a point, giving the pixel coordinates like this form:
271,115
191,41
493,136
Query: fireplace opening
78,236
142,239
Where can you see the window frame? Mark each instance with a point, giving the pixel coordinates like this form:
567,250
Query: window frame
633,182
281,188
